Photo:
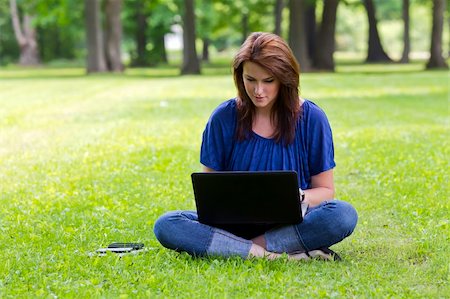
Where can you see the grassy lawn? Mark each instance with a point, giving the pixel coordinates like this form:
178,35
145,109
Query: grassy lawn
89,160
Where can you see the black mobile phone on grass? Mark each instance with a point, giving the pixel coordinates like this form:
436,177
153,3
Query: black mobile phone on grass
121,247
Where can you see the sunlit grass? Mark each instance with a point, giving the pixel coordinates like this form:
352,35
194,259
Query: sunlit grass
88,160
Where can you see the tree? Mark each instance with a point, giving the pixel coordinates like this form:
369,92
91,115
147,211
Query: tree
113,35
9,48
191,64
206,21
26,36
235,19
158,53
145,24
104,52
140,36
323,58
375,51
162,16
278,14
96,61
406,39
436,59
244,24
310,24
297,34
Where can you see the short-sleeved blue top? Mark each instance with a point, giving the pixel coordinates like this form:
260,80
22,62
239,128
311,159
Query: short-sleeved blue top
311,153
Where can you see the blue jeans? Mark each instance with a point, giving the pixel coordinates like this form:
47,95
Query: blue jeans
323,225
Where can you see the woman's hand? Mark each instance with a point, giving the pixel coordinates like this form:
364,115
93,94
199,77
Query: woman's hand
207,169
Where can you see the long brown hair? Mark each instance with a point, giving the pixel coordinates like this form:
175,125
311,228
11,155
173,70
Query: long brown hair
272,53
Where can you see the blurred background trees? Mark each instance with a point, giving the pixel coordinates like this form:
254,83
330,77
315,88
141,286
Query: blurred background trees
436,59
25,34
96,61
375,52
191,64
109,35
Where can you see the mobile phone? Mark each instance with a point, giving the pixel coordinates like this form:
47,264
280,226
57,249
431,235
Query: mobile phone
133,246
115,250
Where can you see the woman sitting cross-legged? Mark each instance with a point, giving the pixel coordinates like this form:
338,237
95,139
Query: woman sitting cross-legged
268,126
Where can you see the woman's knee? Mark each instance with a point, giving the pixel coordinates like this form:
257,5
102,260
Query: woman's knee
181,231
347,215
164,226
160,226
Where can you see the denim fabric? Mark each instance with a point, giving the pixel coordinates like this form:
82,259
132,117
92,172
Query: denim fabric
226,244
323,226
181,231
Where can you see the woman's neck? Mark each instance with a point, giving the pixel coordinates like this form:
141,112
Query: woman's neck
264,124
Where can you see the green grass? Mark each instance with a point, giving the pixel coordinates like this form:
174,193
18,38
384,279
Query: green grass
88,160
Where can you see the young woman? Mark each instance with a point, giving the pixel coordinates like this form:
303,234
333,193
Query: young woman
268,127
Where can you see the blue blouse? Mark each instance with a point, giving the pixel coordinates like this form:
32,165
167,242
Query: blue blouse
311,153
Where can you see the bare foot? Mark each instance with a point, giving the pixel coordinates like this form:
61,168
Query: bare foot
260,252
298,256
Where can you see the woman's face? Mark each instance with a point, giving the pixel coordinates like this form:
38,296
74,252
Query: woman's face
261,86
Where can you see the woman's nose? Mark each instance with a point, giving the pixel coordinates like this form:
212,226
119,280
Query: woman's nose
258,88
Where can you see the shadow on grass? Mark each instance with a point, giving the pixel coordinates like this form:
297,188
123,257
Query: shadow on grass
347,67
165,71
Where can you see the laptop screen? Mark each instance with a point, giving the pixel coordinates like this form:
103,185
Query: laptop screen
261,199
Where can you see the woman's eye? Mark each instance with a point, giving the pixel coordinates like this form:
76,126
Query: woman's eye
269,81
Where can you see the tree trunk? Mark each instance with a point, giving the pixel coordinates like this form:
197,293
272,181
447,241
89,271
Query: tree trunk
205,52
244,23
297,34
158,53
141,58
436,58
324,54
406,39
113,35
278,13
26,36
191,64
375,51
310,26
95,57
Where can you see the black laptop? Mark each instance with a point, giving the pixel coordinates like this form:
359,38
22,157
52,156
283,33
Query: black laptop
247,203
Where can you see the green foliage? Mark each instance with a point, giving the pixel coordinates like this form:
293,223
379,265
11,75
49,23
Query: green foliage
160,16
60,26
61,32
9,50
228,18
388,10
88,160
352,29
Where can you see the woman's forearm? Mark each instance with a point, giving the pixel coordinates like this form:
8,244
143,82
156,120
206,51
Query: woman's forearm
315,196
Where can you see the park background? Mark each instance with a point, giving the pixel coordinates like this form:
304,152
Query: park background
102,107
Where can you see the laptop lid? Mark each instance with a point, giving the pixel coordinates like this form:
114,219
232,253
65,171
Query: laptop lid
261,199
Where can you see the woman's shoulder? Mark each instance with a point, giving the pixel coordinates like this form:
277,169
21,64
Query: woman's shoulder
311,111
225,110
